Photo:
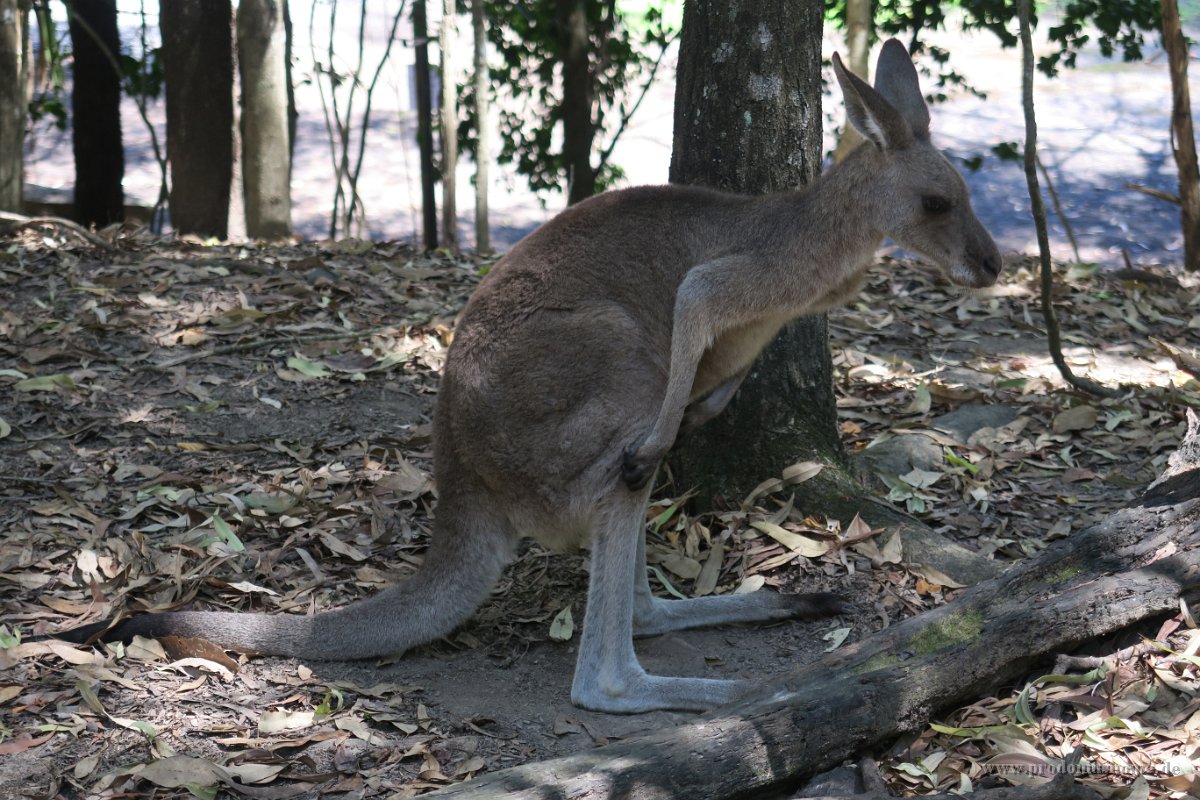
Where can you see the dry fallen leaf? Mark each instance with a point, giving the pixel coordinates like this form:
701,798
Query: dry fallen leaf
562,627
797,543
1079,418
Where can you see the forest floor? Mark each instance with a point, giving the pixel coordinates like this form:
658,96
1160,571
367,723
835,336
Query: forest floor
248,427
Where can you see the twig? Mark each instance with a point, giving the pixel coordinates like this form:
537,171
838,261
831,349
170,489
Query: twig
1066,223
363,128
1066,663
26,479
275,341
1159,193
625,118
1038,208
20,222
139,99
1184,360
1132,273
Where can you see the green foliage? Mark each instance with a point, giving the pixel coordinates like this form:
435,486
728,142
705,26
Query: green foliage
625,41
1008,151
142,77
49,97
1116,25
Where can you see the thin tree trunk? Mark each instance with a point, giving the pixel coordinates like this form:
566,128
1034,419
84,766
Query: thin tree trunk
860,22
1038,209
449,127
198,41
292,114
576,107
1183,139
96,114
1134,565
13,72
752,124
483,239
265,150
425,126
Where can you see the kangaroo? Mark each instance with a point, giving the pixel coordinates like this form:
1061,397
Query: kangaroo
582,355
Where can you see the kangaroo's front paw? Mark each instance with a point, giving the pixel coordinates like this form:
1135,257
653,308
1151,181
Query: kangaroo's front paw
637,466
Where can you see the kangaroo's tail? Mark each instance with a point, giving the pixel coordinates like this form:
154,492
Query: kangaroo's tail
468,552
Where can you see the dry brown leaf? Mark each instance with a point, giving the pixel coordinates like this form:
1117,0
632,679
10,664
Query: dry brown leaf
797,543
1079,418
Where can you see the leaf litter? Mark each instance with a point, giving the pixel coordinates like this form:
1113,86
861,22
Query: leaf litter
248,428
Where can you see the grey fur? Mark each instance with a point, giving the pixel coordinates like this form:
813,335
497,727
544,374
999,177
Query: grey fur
580,356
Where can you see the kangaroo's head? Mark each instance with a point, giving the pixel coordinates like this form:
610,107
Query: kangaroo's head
919,198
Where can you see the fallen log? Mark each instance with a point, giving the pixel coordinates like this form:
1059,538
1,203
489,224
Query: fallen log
1136,564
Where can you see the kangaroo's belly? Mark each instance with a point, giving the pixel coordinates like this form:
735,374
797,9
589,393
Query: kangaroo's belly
732,353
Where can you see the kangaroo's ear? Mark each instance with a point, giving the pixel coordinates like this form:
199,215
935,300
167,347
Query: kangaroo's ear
896,80
872,115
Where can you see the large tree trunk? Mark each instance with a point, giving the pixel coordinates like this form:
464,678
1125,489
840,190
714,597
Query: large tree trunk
266,162
96,114
748,119
1134,565
483,239
446,39
13,71
1182,137
425,125
576,107
198,66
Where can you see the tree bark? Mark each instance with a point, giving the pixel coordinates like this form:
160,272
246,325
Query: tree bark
1132,566
1183,139
265,151
576,107
483,238
748,119
197,55
449,127
96,114
425,125
13,72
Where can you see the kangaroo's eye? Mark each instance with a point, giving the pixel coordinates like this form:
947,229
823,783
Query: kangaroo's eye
935,204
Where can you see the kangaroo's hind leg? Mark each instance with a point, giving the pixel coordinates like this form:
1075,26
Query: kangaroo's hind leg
653,615
608,676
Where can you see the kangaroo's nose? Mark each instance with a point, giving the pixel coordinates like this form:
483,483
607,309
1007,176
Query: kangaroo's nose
991,264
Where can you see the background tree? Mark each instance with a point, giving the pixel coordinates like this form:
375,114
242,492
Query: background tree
13,70
575,109
96,113
583,64
345,80
752,124
483,241
197,53
449,126
429,224
1183,138
266,152
859,24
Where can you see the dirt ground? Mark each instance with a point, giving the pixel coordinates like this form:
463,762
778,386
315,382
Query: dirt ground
246,428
